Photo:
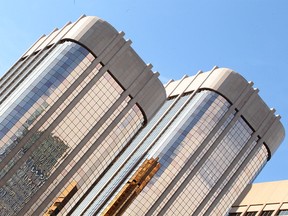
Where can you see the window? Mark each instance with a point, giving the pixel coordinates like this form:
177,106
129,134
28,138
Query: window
266,213
283,212
235,214
251,213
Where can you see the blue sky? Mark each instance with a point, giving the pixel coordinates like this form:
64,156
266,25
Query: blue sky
178,37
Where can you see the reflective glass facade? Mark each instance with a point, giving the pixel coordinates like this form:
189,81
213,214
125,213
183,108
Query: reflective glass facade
96,198
20,70
246,176
175,151
46,84
189,172
73,130
66,136
283,212
189,190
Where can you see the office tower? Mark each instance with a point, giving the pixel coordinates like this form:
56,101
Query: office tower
263,199
76,138
207,142
69,108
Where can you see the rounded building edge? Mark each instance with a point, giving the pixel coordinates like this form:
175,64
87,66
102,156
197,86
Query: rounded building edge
90,31
152,97
275,137
254,114
127,66
231,85
103,40
94,33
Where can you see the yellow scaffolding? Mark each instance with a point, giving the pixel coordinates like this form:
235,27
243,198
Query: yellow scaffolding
60,201
132,188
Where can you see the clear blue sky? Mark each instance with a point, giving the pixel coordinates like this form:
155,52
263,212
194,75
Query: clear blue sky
178,37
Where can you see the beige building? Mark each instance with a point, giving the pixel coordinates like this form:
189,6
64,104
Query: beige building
262,199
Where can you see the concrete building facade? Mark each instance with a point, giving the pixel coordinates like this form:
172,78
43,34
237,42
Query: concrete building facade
262,199
69,106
